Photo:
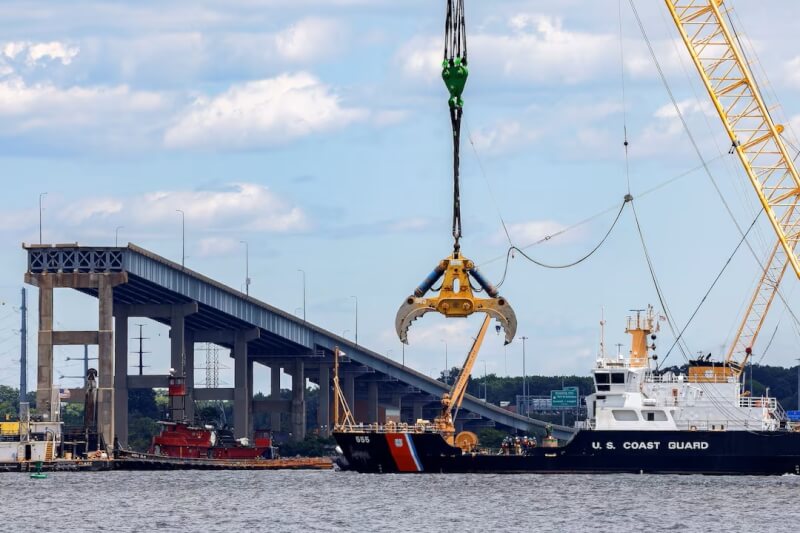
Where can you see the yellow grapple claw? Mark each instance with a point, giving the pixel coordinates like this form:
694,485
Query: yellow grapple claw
455,298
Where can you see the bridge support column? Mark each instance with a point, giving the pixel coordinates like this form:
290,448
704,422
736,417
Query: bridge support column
275,394
397,400
298,401
105,357
44,374
372,402
121,373
418,411
242,398
323,411
188,345
250,392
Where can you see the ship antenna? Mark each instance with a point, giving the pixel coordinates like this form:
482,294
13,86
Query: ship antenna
602,333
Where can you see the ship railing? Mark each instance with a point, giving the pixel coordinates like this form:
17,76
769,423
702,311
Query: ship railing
387,428
755,402
682,378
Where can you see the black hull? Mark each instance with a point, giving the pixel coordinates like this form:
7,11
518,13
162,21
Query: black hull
650,452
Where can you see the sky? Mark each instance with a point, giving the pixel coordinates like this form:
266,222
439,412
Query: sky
317,131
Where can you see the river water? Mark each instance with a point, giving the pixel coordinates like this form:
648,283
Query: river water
331,501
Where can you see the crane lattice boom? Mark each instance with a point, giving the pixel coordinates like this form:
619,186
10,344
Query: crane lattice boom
756,140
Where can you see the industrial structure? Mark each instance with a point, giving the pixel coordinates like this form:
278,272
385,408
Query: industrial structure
131,282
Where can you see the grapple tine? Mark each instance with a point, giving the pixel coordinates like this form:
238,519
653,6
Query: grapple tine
412,309
504,314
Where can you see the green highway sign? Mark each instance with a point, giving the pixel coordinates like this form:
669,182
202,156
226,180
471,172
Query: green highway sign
566,398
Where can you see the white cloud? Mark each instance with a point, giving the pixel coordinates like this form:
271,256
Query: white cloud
97,208
243,205
310,39
503,137
34,52
240,207
262,113
74,104
792,71
538,49
686,107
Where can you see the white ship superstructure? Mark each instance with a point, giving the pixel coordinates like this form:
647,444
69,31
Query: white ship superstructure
630,395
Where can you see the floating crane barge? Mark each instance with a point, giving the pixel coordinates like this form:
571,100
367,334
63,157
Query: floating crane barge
639,421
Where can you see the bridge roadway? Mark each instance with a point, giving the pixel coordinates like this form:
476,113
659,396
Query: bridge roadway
133,282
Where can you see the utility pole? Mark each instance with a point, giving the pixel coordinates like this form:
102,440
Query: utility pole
141,351
212,366
183,237
246,267
304,292
485,384
23,348
85,364
524,379
41,196
446,370
356,299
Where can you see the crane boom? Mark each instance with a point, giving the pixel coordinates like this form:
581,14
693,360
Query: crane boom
756,140
453,399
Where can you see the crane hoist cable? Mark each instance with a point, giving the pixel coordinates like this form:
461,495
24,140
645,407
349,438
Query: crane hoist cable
455,296
455,73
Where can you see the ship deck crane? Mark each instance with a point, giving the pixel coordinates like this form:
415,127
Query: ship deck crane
756,140
452,401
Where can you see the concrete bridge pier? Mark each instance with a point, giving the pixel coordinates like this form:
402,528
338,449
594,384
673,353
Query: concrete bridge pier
242,395
298,414
121,373
323,411
372,402
275,396
103,284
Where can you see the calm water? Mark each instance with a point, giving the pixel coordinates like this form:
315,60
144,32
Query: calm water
329,501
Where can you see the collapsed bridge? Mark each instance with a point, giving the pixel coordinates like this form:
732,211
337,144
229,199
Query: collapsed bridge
131,282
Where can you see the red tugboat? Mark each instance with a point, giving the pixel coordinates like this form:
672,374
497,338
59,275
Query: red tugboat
182,440
179,439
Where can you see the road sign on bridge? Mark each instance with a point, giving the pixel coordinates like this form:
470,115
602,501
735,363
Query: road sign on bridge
566,398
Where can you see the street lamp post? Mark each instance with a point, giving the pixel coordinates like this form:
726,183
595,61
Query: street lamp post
116,235
798,385
485,384
183,237
446,366
246,267
41,196
304,292
524,378
356,299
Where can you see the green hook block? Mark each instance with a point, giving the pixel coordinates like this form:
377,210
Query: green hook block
455,78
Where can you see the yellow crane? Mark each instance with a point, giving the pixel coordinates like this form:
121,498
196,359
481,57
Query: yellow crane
452,401
757,141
